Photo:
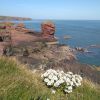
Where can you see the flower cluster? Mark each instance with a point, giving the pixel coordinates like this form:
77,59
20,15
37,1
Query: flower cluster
60,80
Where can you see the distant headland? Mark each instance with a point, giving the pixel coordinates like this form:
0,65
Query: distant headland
10,18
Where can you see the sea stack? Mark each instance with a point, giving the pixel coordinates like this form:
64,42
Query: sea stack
48,29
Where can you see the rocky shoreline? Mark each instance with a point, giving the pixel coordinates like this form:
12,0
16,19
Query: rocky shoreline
39,51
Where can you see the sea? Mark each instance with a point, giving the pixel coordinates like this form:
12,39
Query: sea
83,33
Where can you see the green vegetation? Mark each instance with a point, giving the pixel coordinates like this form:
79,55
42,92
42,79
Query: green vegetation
19,83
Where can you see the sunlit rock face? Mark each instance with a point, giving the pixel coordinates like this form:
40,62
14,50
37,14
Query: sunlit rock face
21,25
48,29
21,28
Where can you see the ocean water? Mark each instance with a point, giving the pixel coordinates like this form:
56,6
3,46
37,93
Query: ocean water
84,33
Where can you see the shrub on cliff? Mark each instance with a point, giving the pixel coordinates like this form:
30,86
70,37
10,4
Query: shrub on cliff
58,80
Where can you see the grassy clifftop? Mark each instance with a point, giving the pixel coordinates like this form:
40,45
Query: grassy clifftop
9,18
19,83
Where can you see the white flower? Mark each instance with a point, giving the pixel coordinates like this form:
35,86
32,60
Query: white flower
50,76
52,81
45,74
48,99
46,80
80,78
69,88
70,73
64,78
68,91
56,84
62,72
54,72
73,79
78,84
68,83
53,91
61,81
68,80
55,78
71,83
42,76
49,83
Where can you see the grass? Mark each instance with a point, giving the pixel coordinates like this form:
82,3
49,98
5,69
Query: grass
19,83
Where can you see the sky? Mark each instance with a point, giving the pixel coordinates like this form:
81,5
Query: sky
52,9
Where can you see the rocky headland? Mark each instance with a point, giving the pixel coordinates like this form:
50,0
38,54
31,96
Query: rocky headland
40,50
9,18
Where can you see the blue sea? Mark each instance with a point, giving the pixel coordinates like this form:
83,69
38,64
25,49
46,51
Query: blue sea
83,33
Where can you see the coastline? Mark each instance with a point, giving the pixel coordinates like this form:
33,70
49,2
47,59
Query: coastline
44,54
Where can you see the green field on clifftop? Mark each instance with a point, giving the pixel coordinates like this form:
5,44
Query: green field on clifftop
13,18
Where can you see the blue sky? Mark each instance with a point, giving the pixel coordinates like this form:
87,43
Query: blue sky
52,9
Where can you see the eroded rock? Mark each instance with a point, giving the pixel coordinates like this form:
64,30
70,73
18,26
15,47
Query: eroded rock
48,29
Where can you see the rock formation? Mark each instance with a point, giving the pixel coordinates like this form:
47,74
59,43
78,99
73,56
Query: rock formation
21,28
48,29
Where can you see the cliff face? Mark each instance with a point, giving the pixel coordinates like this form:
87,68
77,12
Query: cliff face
13,18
